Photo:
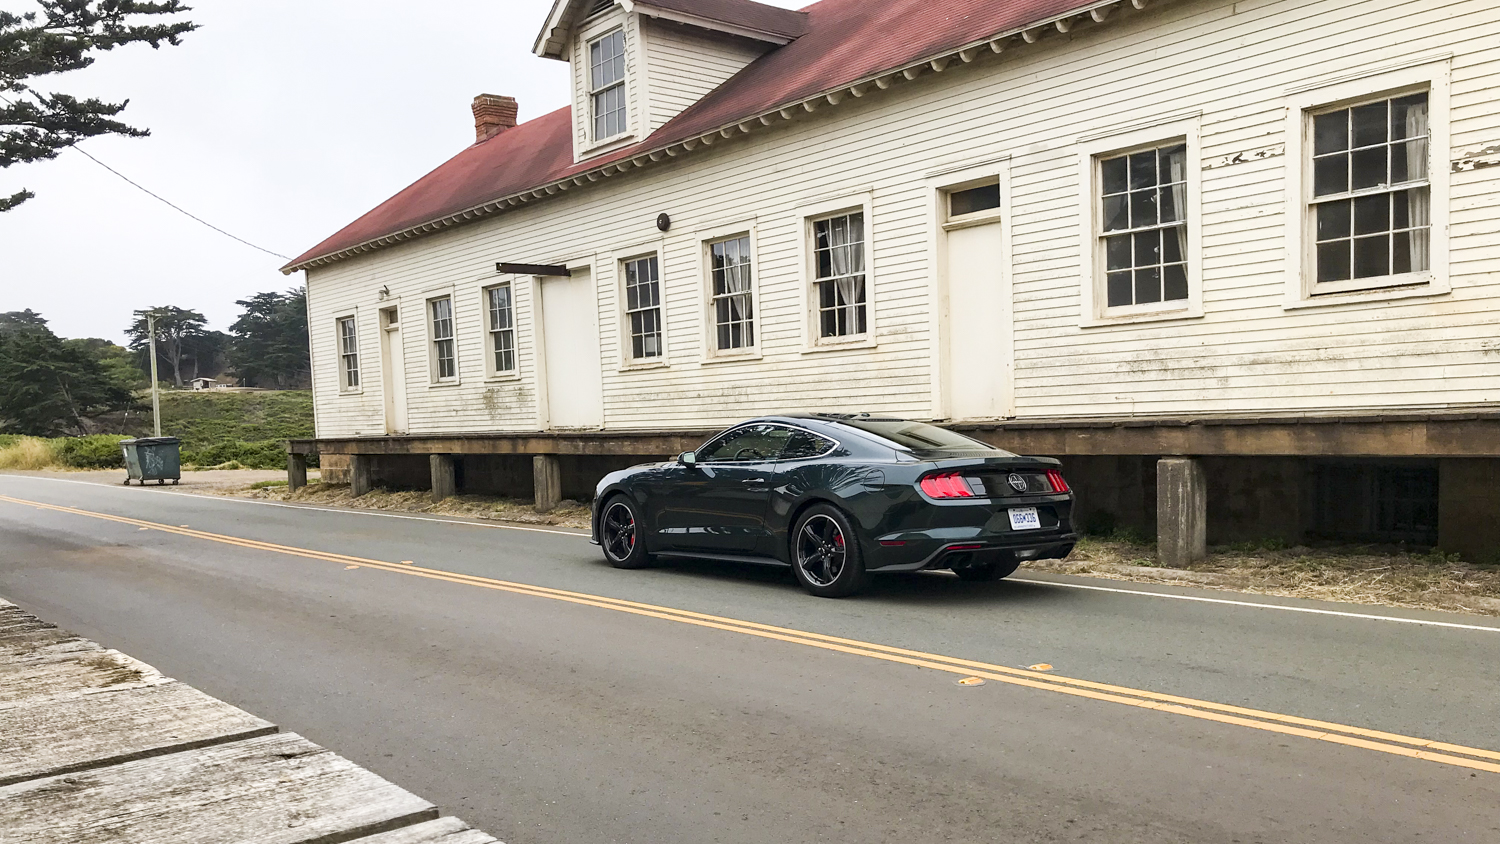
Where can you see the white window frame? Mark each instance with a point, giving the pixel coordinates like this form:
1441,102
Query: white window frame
338,332
706,238
628,362
1431,74
592,93
860,202
434,378
1094,300
493,372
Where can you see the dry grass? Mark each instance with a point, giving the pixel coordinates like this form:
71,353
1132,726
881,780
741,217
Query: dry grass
1375,575
569,514
28,454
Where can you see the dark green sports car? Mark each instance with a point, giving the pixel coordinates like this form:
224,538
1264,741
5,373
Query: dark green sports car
837,496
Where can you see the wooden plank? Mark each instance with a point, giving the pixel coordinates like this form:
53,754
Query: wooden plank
48,735
278,789
440,831
68,668
21,631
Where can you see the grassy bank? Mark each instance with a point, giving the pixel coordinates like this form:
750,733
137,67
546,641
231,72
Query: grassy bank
217,429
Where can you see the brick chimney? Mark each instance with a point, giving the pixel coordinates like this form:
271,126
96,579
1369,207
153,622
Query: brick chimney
493,114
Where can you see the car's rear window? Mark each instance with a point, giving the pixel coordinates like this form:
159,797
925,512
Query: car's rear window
919,436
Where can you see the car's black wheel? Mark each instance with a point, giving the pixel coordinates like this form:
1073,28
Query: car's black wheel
825,553
987,571
620,534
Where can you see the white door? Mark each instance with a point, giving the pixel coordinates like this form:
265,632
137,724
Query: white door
570,349
393,371
978,323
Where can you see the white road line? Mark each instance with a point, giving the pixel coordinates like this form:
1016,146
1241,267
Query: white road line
1255,605
230,500
582,535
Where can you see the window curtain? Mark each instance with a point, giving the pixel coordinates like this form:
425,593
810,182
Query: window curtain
1418,200
1177,165
846,239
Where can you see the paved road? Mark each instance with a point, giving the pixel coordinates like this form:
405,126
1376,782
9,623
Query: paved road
545,717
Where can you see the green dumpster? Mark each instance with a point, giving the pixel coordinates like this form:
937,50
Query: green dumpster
152,459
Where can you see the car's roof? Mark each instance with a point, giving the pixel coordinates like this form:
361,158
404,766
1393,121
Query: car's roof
832,417
868,426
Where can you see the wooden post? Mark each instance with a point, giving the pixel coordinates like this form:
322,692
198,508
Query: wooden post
444,476
1181,511
546,472
359,474
296,471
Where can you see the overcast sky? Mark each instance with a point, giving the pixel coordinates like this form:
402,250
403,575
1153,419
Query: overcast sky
279,121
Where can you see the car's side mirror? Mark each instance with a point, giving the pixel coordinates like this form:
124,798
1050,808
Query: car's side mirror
687,458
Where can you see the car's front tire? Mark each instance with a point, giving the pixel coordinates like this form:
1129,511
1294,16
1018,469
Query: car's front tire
620,534
825,553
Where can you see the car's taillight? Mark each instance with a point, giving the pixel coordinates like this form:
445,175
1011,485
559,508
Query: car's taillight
947,485
1055,478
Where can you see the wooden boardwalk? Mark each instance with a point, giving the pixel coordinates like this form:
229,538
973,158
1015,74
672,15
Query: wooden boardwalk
96,746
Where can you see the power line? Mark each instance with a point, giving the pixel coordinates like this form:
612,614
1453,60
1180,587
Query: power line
166,202
176,208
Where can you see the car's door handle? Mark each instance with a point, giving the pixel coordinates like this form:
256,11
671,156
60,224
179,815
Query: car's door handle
755,481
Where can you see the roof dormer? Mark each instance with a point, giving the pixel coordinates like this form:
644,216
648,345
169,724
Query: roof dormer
639,63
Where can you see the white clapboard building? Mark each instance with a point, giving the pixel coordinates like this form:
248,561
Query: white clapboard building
1258,235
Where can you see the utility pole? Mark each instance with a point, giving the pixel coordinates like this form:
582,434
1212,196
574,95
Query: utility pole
155,386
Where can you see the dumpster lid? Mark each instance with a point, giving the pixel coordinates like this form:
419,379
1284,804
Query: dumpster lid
151,441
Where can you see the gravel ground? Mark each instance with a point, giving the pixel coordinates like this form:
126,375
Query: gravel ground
204,481
571,514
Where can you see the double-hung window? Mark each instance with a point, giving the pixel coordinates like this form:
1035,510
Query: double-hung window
839,275
502,327
643,307
348,353
733,301
607,84
444,356
1371,201
1143,226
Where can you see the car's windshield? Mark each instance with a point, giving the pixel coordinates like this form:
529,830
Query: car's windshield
918,436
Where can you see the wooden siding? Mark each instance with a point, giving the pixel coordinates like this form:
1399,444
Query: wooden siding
1234,63
682,64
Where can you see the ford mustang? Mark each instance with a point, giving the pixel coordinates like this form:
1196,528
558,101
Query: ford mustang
836,497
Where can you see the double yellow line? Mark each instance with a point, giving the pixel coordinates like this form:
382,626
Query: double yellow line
1383,742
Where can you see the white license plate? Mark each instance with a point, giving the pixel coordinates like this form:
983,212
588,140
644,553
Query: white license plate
1024,518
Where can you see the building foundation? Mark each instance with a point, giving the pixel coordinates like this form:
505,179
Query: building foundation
296,471
444,476
1181,511
546,471
360,466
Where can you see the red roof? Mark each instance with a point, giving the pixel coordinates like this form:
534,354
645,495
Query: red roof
846,41
741,13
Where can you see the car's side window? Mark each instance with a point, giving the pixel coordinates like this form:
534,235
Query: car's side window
752,442
805,444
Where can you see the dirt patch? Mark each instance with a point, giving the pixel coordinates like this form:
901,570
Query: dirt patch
1375,575
571,514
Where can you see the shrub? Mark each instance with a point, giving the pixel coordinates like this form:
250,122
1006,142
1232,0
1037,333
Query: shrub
27,453
99,451
266,454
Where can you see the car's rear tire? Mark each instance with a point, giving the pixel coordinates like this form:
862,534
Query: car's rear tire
997,570
825,553
620,534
